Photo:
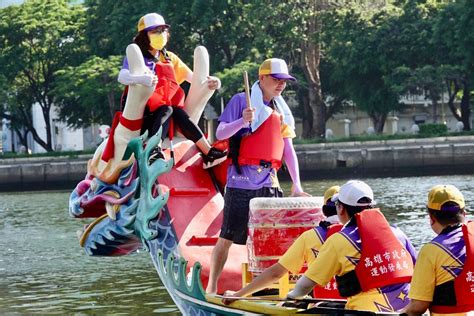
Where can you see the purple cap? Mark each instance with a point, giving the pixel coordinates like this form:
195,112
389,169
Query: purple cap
283,76
275,67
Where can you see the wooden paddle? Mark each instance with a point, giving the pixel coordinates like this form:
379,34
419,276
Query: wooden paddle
278,299
247,89
321,310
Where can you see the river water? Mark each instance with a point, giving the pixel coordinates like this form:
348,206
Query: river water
43,270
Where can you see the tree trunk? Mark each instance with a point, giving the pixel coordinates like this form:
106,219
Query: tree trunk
465,103
47,120
435,110
307,113
23,138
379,121
310,59
27,122
453,89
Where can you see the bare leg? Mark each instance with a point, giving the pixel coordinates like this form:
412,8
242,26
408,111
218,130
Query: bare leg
218,260
203,145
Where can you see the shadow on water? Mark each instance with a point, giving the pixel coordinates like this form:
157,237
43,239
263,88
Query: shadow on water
43,270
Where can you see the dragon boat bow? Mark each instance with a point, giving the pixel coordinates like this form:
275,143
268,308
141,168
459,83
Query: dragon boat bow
173,208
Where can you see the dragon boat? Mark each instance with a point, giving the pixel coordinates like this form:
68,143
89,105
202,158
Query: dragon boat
172,207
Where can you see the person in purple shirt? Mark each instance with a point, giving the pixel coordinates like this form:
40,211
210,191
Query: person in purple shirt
260,138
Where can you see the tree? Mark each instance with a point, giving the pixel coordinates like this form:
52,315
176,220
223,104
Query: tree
89,93
221,27
292,33
295,31
12,110
112,24
431,55
361,46
37,38
454,41
427,80
232,79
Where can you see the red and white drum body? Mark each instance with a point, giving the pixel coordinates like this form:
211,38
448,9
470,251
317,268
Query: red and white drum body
274,225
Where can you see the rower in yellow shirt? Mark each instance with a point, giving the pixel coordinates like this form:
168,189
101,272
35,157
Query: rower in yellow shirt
443,279
303,250
371,260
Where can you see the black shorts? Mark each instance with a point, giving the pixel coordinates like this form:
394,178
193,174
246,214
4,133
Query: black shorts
236,211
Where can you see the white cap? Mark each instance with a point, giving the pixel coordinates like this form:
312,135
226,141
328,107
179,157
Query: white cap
351,192
150,21
275,67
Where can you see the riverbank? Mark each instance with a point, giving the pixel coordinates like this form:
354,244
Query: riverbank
394,158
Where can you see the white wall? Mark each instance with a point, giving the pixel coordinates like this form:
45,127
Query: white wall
64,138
40,126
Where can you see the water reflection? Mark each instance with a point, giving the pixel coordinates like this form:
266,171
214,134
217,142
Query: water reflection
43,270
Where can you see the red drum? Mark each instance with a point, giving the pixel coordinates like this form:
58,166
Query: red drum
275,223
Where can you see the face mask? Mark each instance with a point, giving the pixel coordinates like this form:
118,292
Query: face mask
158,40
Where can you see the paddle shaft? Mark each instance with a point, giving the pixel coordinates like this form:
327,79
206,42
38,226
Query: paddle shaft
276,299
247,89
321,310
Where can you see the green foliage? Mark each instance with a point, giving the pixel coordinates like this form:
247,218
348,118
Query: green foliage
112,24
427,80
433,129
362,48
232,78
223,27
37,38
89,93
220,26
53,52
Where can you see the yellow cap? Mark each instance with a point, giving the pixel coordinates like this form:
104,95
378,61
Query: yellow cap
442,194
330,192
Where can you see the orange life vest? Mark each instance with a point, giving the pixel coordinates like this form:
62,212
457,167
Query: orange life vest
384,260
464,282
264,146
330,290
167,90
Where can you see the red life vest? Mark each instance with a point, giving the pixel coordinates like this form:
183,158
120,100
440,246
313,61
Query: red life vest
265,145
167,90
384,260
464,282
330,290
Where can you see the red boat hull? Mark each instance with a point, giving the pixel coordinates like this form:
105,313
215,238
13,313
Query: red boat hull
195,205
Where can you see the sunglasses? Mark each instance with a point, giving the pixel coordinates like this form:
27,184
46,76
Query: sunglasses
160,29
